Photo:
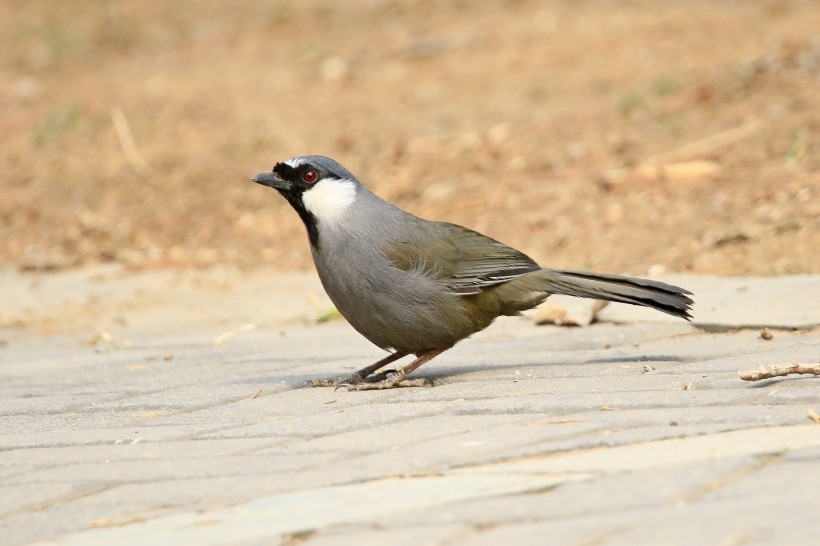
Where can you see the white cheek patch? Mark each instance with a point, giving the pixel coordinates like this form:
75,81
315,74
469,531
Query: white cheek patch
329,199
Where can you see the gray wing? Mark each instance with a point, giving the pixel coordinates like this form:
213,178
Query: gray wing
466,261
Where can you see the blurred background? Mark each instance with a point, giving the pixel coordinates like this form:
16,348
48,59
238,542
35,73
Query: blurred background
615,136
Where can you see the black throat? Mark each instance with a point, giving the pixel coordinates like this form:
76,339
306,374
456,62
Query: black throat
295,200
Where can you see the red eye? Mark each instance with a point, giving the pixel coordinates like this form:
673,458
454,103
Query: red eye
310,176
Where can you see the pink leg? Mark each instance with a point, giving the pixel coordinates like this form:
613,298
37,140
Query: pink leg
360,376
399,379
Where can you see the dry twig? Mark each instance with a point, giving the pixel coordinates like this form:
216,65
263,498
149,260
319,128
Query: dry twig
779,370
706,145
220,339
129,148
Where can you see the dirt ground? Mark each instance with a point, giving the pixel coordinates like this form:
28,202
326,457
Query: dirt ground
615,136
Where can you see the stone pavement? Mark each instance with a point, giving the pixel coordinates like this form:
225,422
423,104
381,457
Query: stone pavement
128,417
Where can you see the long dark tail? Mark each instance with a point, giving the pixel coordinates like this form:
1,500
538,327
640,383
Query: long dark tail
657,295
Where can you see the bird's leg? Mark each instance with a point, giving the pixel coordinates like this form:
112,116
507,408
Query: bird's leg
360,376
399,378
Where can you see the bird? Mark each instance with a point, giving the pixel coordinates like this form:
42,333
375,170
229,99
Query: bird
417,287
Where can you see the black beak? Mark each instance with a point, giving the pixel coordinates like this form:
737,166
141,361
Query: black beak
272,180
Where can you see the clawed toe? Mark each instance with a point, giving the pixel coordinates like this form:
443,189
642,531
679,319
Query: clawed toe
391,383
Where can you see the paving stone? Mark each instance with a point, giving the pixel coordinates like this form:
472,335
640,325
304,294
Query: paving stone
617,433
376,535
617,491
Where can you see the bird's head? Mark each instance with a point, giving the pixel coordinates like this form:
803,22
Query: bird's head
317,187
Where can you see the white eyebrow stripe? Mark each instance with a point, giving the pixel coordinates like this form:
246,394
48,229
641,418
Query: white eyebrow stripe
295,161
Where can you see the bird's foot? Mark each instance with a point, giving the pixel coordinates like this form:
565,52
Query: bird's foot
387,379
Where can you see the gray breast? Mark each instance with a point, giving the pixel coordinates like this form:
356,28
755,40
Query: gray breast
403,310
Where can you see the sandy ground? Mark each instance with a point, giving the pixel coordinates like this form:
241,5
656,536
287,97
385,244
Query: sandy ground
621,137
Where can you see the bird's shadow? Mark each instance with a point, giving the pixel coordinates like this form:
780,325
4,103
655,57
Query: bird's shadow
642,358
456,370
453,371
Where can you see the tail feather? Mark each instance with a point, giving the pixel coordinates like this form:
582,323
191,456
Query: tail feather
647,293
